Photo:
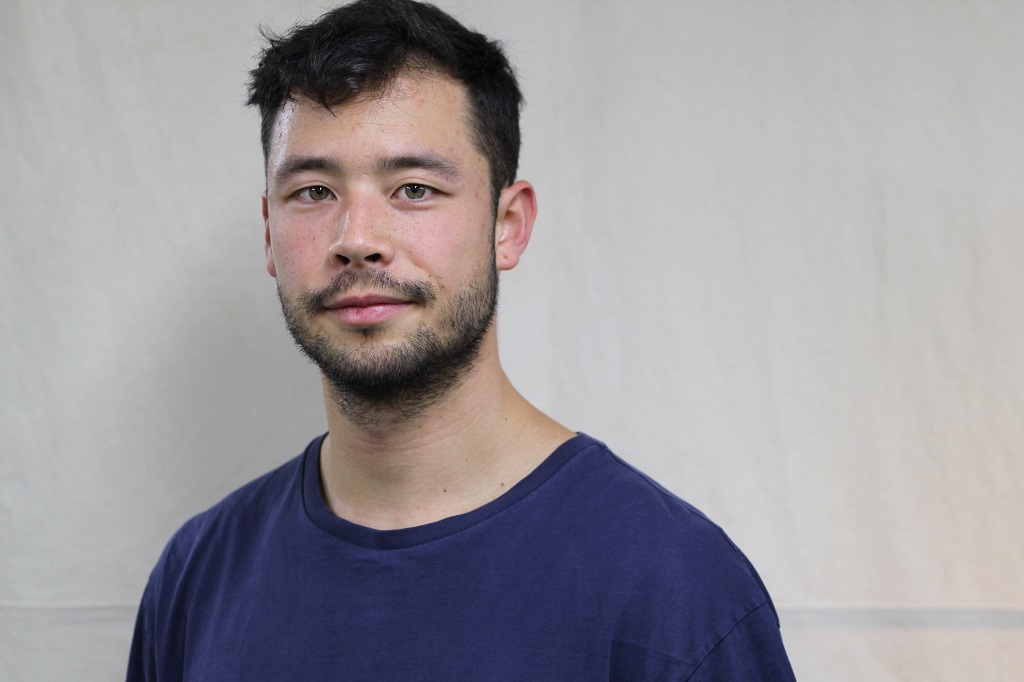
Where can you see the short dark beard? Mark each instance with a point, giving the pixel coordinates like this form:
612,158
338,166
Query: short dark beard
375,384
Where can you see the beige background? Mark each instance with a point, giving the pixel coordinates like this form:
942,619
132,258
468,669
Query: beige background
778,266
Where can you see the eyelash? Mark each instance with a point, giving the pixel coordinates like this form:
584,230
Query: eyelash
430,191
304,192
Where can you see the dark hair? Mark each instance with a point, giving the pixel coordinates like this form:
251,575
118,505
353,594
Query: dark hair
363,46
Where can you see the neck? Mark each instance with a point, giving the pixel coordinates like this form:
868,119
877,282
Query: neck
405,467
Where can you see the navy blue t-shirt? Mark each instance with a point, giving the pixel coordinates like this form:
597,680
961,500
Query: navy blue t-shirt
584,570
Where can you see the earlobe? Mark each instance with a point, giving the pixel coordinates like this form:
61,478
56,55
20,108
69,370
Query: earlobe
517,209
271,268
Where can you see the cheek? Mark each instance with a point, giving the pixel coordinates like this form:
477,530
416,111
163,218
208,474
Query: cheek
452,251
294,251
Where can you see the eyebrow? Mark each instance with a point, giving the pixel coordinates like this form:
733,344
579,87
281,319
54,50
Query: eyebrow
427,161
295,165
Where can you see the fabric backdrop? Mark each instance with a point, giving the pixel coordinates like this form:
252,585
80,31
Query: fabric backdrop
777,266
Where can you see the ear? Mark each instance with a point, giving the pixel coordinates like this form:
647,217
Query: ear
517,209
271,268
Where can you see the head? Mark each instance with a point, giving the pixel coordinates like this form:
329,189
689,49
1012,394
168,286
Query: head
390,136
362,47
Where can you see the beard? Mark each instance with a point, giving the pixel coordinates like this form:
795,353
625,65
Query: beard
400,378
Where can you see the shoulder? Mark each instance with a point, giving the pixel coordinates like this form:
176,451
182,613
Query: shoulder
691,599
233,521
198,561
647,517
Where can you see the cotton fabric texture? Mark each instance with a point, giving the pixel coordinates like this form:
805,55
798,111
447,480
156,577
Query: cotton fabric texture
584,570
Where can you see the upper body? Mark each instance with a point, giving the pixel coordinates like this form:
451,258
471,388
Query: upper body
391,140
585,570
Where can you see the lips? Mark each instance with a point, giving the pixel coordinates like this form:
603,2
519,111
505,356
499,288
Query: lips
366,310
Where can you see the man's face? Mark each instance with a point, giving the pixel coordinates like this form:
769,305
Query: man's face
380,232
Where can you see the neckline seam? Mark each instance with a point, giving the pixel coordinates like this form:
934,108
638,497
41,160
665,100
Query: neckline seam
364,537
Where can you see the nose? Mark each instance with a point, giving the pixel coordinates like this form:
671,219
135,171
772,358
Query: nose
363,236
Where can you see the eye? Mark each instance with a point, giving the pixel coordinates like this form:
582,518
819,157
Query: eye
415,192
316,193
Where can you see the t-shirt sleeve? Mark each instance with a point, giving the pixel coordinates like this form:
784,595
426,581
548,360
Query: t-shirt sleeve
158,643
751,652
141,658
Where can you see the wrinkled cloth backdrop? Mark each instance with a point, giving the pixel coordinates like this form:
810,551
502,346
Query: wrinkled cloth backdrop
777,266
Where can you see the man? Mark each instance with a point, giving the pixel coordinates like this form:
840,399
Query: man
443,528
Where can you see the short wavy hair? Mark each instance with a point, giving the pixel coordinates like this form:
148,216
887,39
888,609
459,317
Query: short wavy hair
363,46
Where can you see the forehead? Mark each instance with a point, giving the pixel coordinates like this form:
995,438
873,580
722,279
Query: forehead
419,110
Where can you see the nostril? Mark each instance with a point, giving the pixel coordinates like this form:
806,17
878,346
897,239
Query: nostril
373,258
344,259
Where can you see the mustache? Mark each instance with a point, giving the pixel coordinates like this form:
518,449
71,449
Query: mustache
380,281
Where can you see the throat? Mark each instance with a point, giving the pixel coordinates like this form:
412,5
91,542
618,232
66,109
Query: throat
379,485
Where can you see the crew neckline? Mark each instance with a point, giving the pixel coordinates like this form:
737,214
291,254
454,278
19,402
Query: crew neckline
322,516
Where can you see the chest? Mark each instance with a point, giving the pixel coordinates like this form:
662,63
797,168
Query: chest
514,611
